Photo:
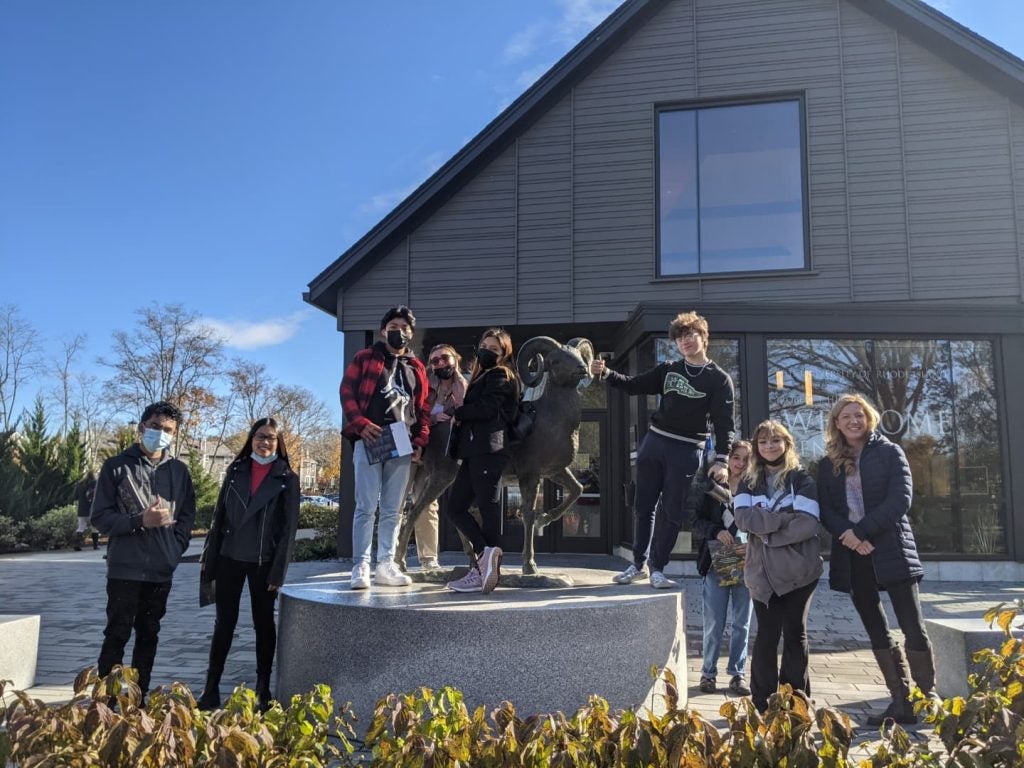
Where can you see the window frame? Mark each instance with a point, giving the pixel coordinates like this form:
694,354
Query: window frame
740,101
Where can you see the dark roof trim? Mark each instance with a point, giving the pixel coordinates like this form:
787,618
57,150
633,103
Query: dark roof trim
920,22
952,41
533,103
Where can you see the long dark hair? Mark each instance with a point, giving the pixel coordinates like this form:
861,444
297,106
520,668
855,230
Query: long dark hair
506,361
282,446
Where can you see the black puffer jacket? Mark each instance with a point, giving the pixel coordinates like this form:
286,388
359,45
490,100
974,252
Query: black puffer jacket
254,529
888,490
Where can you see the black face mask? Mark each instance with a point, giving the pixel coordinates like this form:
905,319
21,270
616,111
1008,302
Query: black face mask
398,340
487,358
444,373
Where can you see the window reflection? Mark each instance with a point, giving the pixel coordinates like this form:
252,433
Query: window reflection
937,400
731,189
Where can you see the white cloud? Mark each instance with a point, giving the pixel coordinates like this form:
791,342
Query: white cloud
524,43
244,334
529,76
384,202
579,17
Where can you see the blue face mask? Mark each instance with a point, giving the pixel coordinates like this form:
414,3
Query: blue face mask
264,459
156,440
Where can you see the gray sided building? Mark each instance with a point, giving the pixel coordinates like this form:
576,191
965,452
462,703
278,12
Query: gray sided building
837,185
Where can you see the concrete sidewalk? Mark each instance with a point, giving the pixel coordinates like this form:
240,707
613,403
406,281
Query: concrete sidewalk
68,590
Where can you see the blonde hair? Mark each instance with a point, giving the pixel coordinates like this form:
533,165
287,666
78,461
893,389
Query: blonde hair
757,469
843,455
450,350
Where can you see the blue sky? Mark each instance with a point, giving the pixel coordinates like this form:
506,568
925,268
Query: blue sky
220,154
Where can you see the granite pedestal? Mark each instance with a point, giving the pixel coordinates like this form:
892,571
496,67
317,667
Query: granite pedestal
544,650
19,646
954,643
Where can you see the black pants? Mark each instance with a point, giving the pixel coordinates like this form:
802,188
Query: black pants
138,605
231,576
664,469
906,604
784,615
479,479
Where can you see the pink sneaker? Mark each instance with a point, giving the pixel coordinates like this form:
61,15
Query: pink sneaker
490,567
471,582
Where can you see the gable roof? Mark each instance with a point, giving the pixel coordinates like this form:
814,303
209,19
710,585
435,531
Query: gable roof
918,21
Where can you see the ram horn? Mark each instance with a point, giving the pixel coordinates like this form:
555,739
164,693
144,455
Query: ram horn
530,361
586,350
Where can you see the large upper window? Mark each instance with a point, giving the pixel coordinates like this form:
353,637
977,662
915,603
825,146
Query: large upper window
937,399
731,191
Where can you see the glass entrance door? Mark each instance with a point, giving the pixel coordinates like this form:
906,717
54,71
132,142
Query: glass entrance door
584,527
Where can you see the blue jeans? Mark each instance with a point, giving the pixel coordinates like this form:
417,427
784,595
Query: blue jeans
380,485
716,604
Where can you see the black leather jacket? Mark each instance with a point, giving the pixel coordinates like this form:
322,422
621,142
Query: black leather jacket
254,529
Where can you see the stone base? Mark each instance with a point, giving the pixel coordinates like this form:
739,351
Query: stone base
954,643
19,647
545,650
545,580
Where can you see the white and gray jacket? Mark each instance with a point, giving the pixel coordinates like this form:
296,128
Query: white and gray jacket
783,552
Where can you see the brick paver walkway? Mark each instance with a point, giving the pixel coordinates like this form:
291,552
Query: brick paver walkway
68,590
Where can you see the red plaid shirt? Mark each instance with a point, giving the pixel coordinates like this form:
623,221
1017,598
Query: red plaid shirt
359,384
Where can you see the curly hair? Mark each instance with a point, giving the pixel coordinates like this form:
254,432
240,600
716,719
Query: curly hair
686,322
843,455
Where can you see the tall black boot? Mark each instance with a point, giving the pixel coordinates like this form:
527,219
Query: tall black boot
263,697
894,672
79,541
922,669
210,699
95,540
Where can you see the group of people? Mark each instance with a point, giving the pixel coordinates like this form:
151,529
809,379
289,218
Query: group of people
144,502
386,386
751,500
756,502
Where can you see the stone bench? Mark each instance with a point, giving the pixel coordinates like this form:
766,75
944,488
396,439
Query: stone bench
19,647
544,650
954,643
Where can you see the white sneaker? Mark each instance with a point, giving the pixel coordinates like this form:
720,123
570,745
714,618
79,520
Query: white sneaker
490,568
660,581
471,582
430,564
360,576
630,575
390,575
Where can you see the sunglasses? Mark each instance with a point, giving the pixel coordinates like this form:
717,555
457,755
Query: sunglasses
441,359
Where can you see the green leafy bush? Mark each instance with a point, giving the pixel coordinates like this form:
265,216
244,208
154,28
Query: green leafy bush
319,548
9,533
324,520
52,530
105,725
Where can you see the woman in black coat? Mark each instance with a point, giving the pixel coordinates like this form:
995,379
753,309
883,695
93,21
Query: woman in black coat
480,436
864,491
250,539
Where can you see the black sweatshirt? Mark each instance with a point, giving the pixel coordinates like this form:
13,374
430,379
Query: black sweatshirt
687,401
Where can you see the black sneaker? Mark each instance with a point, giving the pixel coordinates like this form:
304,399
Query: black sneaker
738,686
707,685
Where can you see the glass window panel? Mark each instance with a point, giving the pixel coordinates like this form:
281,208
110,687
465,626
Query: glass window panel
677,159
936,400
731,189
751,188
583,519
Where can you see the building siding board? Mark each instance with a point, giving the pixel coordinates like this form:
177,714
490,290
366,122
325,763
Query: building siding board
364,302
960,198
874,159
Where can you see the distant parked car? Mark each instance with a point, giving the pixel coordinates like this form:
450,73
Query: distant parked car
322,501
